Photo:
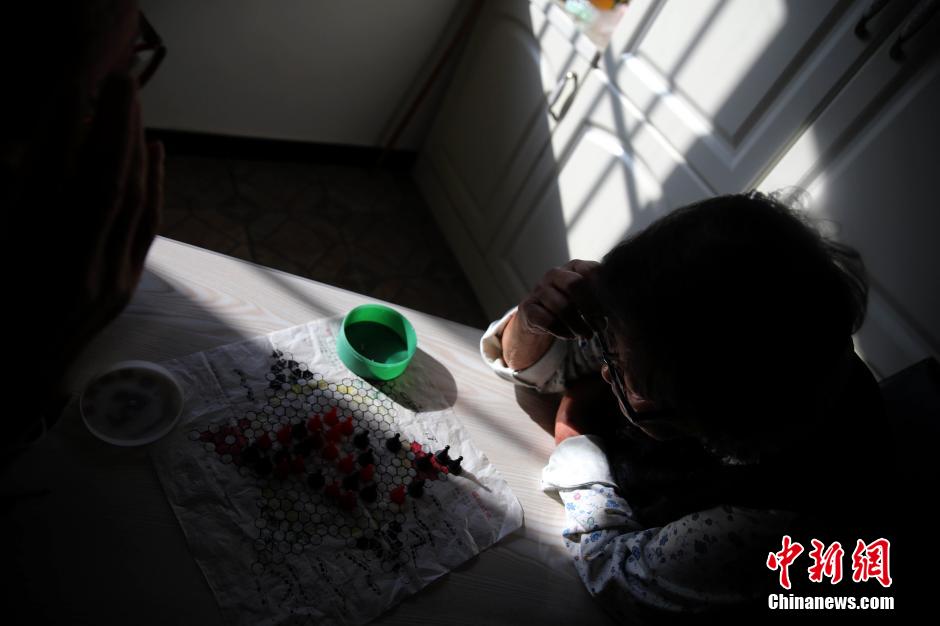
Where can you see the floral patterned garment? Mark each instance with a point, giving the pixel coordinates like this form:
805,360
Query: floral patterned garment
704,560
697,562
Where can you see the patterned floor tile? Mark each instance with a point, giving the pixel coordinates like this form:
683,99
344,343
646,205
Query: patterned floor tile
360,228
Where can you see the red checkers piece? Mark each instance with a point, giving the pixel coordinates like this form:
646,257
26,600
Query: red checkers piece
437,465
332,490
314,424
330,419
346,427
367,472
284,435
329,452
282,469
416,447
347,501
334,434
297,465
264,441
347,464
398,495
424,464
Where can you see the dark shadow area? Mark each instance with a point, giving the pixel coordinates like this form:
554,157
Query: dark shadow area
192,144
94,542
888,213
540,407
423,373
346,223
488,137
912,400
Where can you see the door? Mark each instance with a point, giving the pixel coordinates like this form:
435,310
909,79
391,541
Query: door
691,99
523,63
518,61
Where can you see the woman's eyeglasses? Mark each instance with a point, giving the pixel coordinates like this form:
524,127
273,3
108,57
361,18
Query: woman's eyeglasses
615,373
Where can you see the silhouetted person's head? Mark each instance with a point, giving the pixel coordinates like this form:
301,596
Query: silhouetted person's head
54,57
78,179
734,315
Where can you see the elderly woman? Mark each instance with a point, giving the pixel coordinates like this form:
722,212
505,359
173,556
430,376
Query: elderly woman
741,414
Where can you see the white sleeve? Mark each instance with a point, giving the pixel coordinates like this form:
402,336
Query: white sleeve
701,561
577,462
544,375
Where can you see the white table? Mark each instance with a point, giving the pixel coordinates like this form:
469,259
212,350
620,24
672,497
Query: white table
95,541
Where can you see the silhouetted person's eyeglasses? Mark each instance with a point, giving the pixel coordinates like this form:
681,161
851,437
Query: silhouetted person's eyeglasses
148,52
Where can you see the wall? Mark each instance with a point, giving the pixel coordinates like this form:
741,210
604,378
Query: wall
308,70
869,165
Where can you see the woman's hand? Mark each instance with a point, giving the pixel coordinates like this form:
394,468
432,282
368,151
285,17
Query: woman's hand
554,308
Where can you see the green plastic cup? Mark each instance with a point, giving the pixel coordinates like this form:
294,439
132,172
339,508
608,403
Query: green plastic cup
376,342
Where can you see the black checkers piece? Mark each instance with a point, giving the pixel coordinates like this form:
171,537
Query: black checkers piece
453,466
299,430
251,455
369,493
351,482
264,467
442,457
366,458
393,443
416,488
304,447
361,440
316,480
281,455
424,463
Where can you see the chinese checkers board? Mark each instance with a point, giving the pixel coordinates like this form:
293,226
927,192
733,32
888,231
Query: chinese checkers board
309,495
